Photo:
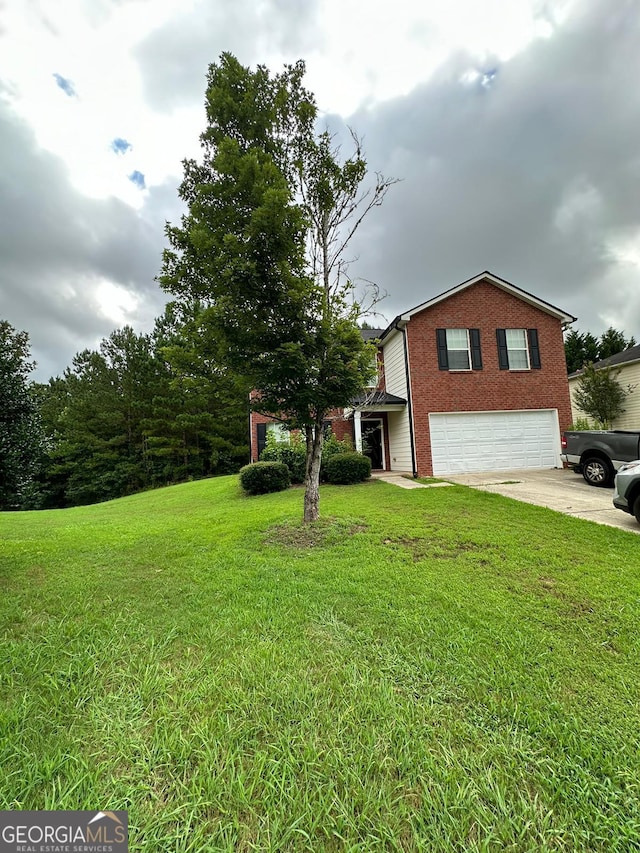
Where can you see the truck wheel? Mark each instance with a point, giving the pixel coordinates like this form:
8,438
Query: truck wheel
597,472
636,509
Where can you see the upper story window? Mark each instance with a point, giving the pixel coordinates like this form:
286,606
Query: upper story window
518,349
374,378
459,349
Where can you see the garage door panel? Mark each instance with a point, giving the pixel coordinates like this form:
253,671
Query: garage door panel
494,441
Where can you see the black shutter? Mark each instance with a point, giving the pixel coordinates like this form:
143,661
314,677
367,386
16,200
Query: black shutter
443,358
534,349
503,353
262,438
476,354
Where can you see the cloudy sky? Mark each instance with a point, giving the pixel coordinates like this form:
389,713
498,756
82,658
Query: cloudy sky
514,126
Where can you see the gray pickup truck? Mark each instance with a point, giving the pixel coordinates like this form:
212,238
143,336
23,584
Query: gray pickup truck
597,454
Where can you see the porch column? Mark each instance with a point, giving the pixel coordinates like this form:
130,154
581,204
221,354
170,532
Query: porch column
357,430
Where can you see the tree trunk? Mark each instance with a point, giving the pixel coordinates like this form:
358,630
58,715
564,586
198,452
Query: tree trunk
312,477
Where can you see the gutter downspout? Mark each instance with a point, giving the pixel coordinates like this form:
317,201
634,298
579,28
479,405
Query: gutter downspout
409,402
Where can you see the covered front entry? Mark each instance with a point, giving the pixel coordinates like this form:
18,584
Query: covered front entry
371,432
373,442
494,441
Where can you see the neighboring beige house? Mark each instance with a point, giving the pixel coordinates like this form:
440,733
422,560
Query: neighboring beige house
628,363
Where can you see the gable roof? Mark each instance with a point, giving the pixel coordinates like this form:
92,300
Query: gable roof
627,356
524,295
371,334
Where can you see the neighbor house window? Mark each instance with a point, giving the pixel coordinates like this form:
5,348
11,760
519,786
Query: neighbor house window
459,349
518,349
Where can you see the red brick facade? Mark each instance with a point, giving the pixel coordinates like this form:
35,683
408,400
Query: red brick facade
485,307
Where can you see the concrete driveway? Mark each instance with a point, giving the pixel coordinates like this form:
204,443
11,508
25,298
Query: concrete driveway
554,488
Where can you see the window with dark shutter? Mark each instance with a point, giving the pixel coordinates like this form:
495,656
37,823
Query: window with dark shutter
459,349
503,355
262,438
534,349
476,353
443,360
518,349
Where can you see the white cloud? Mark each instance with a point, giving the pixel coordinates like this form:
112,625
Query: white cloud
116,303
360,56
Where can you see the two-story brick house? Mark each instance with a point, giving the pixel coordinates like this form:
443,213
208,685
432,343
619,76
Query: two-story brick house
473,379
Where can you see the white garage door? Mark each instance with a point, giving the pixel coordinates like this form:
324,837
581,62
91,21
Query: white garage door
494,441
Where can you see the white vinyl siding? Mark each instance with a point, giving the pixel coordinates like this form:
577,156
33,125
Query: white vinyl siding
494,441
395,371
399,442
395,375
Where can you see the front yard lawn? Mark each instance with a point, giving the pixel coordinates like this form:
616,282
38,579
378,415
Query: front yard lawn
422,670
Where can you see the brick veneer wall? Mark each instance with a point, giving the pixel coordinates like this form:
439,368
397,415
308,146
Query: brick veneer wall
341,427
485,307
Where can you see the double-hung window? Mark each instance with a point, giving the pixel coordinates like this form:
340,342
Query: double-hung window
459,349
518,349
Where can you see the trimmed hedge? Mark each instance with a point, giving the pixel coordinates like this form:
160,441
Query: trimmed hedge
293,455
260,478
332,447
344,469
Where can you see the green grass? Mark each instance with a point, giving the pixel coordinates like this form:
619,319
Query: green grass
435,670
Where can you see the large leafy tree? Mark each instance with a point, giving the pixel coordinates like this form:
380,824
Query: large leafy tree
20,434
600,395
271,209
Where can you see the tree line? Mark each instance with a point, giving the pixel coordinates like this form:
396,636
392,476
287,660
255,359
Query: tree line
582,348
143,410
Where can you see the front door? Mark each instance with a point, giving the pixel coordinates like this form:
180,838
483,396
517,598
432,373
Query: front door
372,443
